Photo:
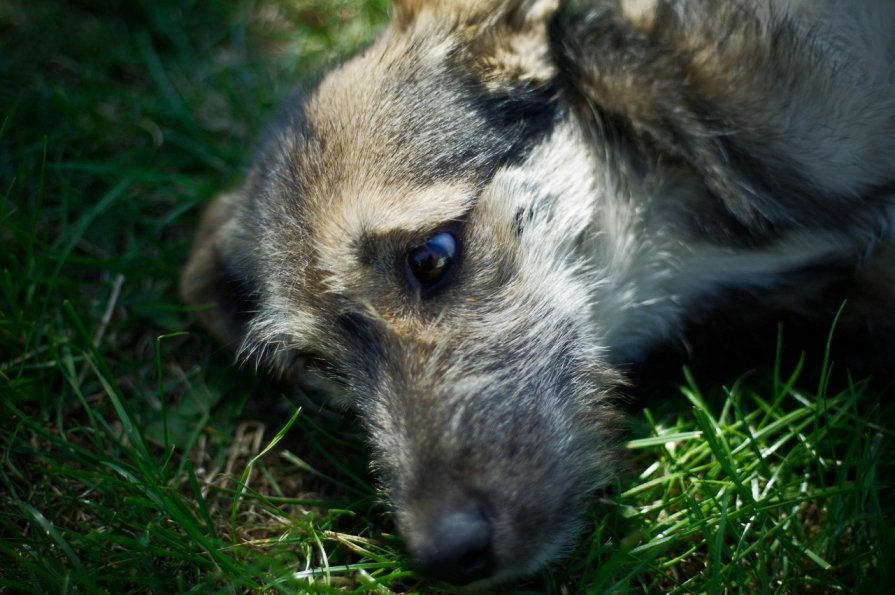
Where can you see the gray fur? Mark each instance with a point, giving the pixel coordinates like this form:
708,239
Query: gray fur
611,171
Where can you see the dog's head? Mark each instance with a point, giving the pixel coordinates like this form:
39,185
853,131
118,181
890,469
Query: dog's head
412,232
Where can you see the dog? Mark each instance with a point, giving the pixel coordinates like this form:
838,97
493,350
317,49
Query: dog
471,231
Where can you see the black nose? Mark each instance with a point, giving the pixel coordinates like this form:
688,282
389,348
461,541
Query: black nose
459,550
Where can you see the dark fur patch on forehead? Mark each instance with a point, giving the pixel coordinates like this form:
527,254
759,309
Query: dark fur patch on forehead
525,114
452,128
419,128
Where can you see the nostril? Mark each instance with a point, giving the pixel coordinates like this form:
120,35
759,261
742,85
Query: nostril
459,549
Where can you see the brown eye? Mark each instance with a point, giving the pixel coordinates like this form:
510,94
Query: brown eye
430,262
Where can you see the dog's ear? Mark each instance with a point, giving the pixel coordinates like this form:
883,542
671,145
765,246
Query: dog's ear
218,278
505,40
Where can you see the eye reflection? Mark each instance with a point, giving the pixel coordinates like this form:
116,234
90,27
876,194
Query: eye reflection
430,262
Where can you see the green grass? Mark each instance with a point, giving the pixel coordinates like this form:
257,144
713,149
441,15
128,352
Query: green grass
135,458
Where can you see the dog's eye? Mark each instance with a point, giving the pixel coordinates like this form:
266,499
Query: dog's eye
430,262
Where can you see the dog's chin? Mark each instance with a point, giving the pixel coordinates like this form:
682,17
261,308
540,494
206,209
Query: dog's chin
482,585
508,573
519,565
500,578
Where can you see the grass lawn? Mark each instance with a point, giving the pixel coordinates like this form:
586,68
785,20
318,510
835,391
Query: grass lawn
135,458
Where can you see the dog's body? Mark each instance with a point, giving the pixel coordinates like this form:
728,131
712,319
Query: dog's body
471,229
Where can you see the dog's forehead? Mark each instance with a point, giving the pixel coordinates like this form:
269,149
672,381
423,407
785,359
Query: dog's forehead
395,139
400,112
